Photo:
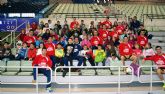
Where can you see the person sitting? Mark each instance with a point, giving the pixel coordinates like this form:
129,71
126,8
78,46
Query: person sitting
159,60
31,52
22,53
148,51
126,52
43,61
6,52
99,55
59,55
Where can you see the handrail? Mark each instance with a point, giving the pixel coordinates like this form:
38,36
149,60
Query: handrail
37,83
118,82
37,67
13,31
151,75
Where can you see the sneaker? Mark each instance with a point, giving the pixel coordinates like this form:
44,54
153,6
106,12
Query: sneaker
49,90
164,86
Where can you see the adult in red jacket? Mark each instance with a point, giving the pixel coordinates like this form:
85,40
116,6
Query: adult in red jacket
107,23
51,51
126,51
95,40
159,60
74,23
43,61
142,40
32,52
29,38
103,33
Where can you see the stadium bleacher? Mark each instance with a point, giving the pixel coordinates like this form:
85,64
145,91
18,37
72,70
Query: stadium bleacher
105,75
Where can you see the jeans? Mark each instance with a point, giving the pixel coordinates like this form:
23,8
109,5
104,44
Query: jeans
44,72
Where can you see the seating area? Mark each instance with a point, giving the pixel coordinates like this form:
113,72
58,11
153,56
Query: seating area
19,69
68,8
140,9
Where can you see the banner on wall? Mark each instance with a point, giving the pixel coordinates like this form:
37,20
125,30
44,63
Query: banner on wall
10,24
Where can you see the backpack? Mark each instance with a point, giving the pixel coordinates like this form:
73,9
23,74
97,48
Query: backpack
135,69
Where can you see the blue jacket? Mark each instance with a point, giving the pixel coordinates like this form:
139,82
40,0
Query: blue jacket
77,49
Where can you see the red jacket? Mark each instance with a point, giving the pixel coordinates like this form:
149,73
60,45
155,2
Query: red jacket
95,41
34,26
119,29
42,61
103,34
125,49
158,59
22,36
50,49
142,40
73,23
32,53
29,39
107,23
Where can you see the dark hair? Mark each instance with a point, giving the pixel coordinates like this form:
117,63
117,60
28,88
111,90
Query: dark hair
158,47
43,48
107,17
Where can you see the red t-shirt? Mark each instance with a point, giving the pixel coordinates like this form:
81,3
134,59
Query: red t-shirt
73,23
114,34
95,41
125,49
32,53
119,29
158,59
142,40
29,39
42,61
103,33
50,49
107,23
137,52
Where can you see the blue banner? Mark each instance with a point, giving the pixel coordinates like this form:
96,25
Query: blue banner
10,24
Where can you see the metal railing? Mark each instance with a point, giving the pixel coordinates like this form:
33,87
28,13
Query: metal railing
117,82
12,35
37,82
151,81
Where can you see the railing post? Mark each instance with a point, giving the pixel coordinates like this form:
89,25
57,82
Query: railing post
69,80
37,80
119,80
150,80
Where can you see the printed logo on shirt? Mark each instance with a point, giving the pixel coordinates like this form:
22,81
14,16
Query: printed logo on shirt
49,49
160,62
142,42
126,50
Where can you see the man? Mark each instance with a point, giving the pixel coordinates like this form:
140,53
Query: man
126,51
74,23
30,38
43,61
159,60
107,23
51,50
